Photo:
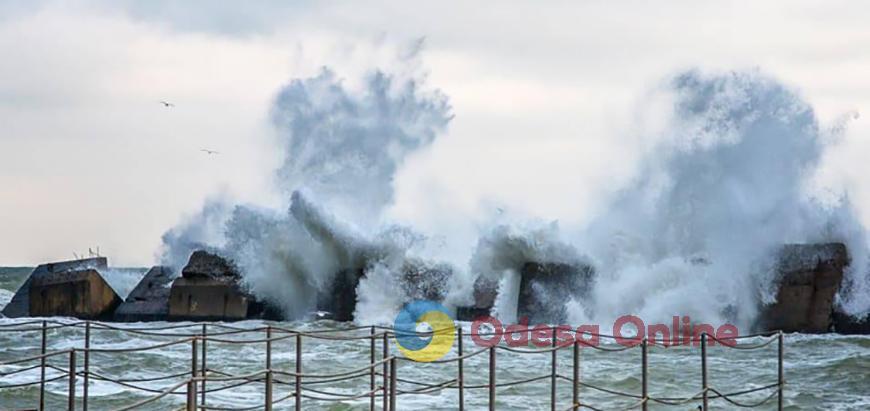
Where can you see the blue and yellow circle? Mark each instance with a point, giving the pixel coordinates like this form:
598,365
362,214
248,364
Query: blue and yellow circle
429,346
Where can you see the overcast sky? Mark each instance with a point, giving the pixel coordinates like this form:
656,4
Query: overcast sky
545,97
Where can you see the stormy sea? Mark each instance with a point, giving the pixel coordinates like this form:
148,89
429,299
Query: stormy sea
822,371
726,181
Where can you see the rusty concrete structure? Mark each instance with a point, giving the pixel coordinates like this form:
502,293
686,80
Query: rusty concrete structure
67,288
81,293
208,289
809,277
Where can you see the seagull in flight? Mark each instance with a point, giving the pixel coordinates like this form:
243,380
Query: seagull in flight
209,152
167,104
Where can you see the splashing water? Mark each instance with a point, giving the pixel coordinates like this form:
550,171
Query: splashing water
342,152
696,233
727,182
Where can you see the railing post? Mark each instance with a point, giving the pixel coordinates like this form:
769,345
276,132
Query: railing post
492,378
191,395
268,404
298,371
781,376
204,368
393,371
268,347
87,362
461,377
704,369
372,358
71,398
193,356
268,359
643,354
386,369
553,358
42,369
576,380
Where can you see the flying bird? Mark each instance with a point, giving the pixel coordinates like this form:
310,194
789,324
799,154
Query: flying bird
167,104
209,152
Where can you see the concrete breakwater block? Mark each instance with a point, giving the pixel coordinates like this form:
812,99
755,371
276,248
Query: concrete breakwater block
149,301
417,279
545,288
809,277
82,294
485,291
338,301
210,289
51,282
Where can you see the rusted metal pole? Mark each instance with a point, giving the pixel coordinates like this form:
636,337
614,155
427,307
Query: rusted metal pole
204,368
87,362
704,369
71,398
191,395
461,377
268,404
576,381
268,356
553,358
393,371
372,369
269,347
42,369
644,374
781,376
193,356
386,370
492,378
298,371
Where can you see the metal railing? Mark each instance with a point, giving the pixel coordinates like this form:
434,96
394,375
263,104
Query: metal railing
193,383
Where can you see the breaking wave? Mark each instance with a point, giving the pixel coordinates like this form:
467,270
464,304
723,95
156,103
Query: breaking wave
342,150
727,181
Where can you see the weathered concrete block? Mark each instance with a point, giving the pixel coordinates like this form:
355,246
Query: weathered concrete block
203,298
845,324
546,287
419,281
339,300
205,264
809,276
82,294
485,292
149,301
19,306
208,289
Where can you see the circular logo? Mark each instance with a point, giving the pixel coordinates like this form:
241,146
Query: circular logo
429,345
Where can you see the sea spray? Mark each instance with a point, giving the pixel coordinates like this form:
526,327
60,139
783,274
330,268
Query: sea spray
726,182
726,185
342,150
502,252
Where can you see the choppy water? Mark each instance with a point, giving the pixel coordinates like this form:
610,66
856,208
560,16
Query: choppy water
828,372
